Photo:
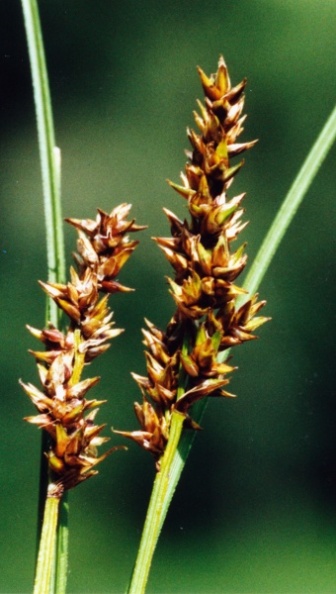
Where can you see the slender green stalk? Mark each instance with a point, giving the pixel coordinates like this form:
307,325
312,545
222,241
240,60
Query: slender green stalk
51,177
157,509
49,153
178,452
46,555
62,547
290,205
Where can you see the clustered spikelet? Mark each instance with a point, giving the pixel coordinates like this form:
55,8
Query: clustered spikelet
185,363
103,248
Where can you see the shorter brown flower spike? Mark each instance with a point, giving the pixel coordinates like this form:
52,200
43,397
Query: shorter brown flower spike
185,363
63,409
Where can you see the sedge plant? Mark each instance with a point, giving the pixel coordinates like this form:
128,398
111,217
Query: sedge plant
187,362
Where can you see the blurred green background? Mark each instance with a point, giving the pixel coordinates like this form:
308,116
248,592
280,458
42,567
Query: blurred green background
255,511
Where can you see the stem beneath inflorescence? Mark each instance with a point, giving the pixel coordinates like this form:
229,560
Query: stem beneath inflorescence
62,547
46,555
158,507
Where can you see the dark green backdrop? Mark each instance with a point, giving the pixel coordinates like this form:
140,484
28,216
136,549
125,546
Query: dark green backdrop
255,511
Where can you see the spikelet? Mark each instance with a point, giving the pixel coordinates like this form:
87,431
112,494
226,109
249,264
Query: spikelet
184,362
63,409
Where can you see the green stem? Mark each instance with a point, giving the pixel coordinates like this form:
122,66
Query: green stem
50,159
46,555
62,547
157,510
178,455
49,153
290,205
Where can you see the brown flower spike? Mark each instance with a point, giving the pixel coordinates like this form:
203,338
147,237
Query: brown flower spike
64,412
184,363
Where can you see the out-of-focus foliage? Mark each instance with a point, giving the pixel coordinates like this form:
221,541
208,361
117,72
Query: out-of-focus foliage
256,507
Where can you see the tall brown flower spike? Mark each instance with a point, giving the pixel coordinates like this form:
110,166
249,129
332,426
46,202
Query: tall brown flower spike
184,363
64,412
